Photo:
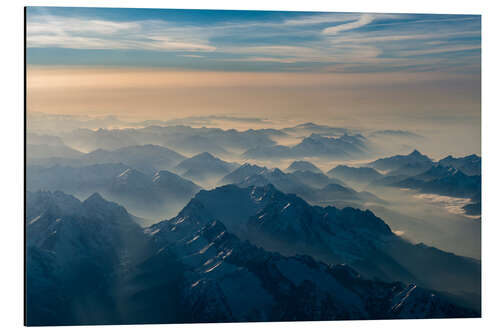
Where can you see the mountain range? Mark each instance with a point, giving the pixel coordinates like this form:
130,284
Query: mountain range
306,129
314,145
150,196
89,263
403,164
286,223
314,187
450,176
443,181
36,152
128,226
188,140
147,158
415,163
362,175
204,168
395,133
345,145
76,256
303,166
470,165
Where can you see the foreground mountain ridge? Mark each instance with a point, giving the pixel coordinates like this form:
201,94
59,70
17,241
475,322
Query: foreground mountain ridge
193,261
287,224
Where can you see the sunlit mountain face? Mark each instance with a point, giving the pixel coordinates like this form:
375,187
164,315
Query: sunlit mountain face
187,166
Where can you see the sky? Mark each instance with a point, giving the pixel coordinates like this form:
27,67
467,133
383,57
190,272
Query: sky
396,70
253,41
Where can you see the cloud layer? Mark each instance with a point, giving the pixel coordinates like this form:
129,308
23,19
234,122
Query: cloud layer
269,41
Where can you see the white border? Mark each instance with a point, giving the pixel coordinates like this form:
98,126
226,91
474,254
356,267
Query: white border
11,199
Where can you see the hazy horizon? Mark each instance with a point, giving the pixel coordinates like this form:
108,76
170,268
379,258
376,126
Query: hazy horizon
361,70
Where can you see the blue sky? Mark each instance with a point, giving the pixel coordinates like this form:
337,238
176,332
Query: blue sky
257,41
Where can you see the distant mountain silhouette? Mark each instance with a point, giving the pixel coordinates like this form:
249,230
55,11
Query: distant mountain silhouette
204,166
147,158
395,133
314,145
355,174
402,161
470,165
303,166
315,188
444,181
150,196
186,139
307,129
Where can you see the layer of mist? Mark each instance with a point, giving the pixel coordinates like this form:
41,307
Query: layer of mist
384,201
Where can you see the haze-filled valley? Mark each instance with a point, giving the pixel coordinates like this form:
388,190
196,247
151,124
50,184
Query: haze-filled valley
338,204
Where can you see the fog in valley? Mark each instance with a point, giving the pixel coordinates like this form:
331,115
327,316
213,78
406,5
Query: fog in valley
68,143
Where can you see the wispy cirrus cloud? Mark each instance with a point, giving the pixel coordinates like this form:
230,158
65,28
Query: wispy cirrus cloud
442,37
275,41
365,19
54,25
319,19
80,33
440,50
270,59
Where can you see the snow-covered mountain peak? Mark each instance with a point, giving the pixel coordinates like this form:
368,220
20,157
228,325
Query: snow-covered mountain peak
303,166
